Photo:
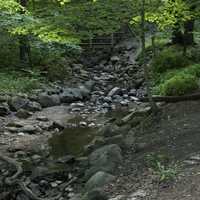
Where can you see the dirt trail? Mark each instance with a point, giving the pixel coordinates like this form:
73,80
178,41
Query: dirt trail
175,133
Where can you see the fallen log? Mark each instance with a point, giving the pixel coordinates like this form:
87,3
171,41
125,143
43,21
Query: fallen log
172,99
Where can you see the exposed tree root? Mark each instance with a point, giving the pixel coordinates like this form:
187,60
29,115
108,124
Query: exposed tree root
14,180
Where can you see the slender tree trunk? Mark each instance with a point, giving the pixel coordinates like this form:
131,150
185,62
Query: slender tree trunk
24,46
145,66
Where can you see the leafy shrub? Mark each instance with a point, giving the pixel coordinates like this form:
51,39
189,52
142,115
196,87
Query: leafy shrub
191,70
178,85
59,70
160,166
169,59
194,54
166,173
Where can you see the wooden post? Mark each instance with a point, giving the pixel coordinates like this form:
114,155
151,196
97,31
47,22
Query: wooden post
112,39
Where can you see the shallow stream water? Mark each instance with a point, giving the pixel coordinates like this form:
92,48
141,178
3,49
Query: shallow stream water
73,139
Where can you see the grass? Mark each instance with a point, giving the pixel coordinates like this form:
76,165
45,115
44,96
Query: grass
19,82
160,165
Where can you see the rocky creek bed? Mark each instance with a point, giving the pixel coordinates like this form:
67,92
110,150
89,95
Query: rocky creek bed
63,135
88,139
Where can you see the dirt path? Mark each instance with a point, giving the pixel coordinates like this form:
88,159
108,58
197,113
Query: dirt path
175,133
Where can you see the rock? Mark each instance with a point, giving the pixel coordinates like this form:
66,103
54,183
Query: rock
124,102
114,91
83,124
90,85
84,92
138,193
108,99
21,196
39,172
133,92
29,129
98,180
23,114
4,110
97,142
66,159
106,105
70,95
17,124
42,118
48,100
76,197
110,130
115,59
105,159
117,139
96,194
129,139
32,106
17,102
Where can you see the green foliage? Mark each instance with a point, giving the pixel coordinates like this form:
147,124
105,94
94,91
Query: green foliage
59,70
169,58
194,54
160,166
166,174
15,82
178,85
166,14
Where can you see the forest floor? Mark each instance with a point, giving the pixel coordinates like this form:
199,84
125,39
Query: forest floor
174,134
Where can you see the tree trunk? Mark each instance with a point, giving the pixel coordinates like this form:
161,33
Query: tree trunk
145,66
24,46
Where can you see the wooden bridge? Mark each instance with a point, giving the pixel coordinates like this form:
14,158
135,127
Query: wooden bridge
107,41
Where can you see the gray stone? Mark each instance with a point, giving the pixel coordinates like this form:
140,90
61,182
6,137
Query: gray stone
117,139
23,114
70,95
18,102
96,194
98,180
108,99
133,92
32,106
84,91
29,129
110,130
48,100
106,159
114,58
114,91
4,110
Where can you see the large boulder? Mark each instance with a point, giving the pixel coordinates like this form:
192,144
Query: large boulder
17,103
98,180
48,100
32,106
70,95
95,194
105,159
85,92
